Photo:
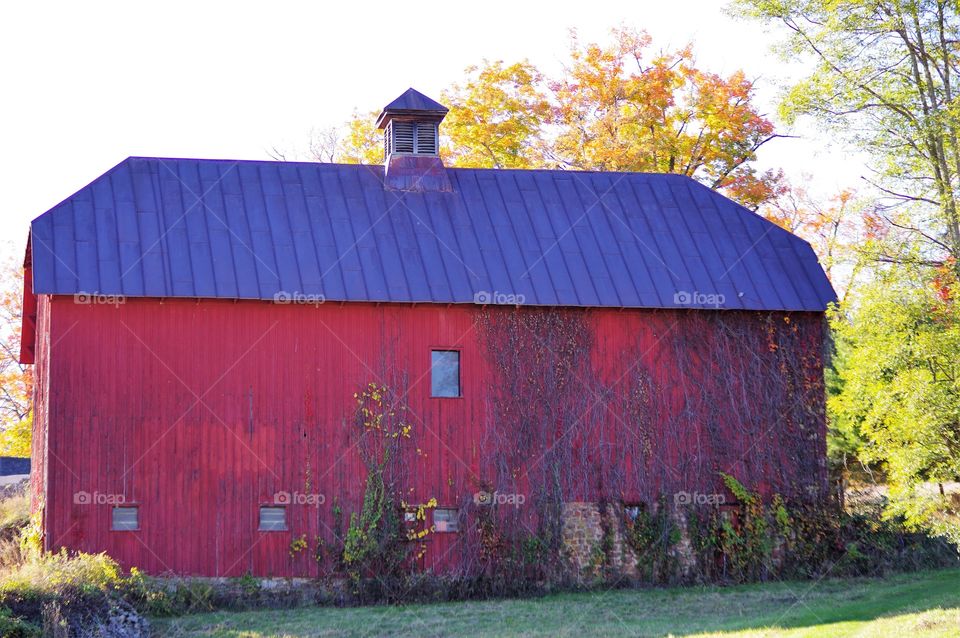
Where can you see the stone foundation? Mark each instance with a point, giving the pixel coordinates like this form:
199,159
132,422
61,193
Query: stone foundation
583,531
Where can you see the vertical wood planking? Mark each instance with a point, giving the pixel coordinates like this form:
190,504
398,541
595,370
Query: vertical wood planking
117,390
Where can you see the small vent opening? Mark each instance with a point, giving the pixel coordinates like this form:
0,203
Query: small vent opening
426,138
403,137
273,519
124,519
410,138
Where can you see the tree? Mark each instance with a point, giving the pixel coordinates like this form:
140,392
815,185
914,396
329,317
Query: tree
362,142
615,107
497,118
16,379
357,141
835,226
899,388
884,78
620,108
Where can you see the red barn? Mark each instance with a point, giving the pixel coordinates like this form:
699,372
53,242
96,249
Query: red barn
205,333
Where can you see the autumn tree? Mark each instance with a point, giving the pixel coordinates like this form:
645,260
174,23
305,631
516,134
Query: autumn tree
16,380
362,142
497,117
357,141
619,107
836,226
614,107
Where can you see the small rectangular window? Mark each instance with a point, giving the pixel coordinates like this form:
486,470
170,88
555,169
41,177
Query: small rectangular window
273,519
446,520
124,519
445,373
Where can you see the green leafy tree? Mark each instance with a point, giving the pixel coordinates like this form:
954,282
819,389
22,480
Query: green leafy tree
898,388
885,79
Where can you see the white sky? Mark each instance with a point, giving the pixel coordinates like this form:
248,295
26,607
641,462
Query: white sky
87,84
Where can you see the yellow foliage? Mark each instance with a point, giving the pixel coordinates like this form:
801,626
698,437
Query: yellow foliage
496,119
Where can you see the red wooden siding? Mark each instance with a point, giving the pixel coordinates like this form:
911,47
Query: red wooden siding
200,411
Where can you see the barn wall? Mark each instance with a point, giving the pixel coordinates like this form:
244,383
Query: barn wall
200,411
39,456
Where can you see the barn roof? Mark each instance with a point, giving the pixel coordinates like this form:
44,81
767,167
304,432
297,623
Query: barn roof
263,229
414,100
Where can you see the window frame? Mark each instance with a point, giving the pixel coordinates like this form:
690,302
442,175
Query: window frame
459,352
271,506
455,511
125,506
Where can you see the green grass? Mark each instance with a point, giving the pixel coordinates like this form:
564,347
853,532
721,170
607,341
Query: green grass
921,604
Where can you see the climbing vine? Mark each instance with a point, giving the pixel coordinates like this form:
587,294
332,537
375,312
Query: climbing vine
376,540
711,395
533,447
638,423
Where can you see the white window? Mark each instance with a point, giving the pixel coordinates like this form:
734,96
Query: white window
632,511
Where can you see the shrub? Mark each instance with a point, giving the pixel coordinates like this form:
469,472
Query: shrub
11,627
14,514
67,595
167,598
51,573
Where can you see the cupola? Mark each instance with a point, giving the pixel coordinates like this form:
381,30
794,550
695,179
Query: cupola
411,143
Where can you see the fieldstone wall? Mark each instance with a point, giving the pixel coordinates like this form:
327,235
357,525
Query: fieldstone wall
583,532
683,550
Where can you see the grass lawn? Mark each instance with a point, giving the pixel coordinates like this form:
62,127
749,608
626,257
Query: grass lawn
920,604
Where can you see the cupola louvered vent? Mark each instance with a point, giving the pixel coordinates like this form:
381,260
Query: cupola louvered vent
426,138
410,138
403,137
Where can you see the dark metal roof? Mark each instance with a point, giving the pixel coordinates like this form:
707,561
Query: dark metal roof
414,100
228,229
412,103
